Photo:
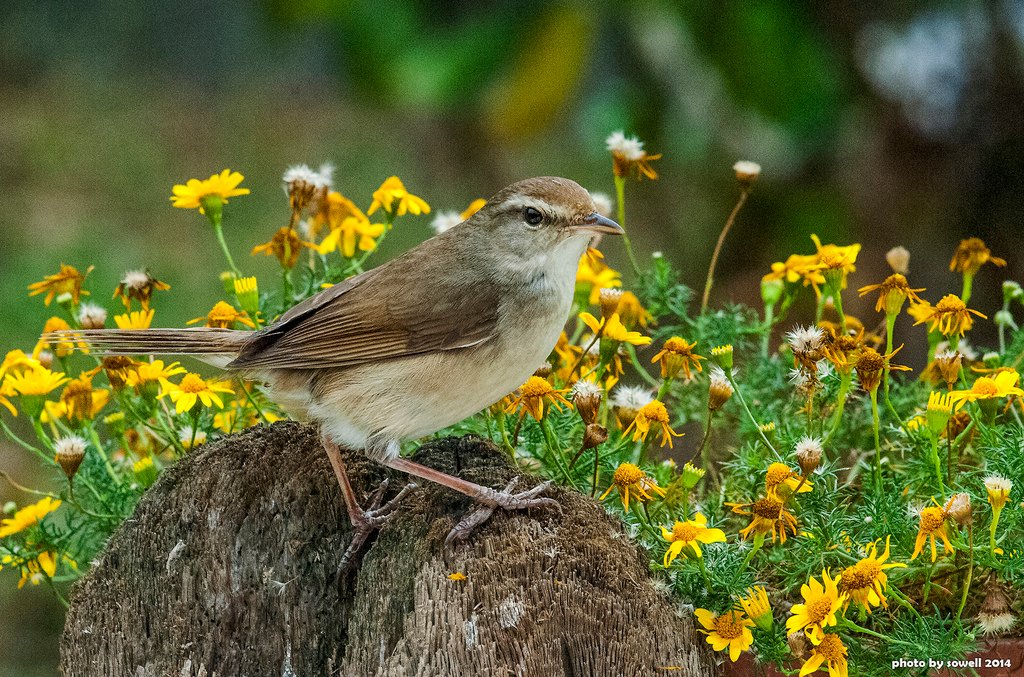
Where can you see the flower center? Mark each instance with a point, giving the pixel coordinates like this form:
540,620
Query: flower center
728,627
654,411
985,386
831,648
932,519
678,346
536,387
684,532
777,474
950,304
861,575
627,474
767,508
192,384
819,609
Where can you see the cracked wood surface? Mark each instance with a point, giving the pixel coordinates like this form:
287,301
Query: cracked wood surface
228,568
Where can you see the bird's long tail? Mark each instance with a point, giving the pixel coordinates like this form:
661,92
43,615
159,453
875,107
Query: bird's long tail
200,341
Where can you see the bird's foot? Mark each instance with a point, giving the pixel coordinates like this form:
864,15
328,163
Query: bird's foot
365,522
490,499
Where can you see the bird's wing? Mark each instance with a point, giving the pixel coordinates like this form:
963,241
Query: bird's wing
397,310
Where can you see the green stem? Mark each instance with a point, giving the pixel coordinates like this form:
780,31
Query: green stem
704,442
968,284
992,530
878,448
937,464
757,426
103,454
837,417
555,450
620,203
970,569
847,623
219,232
837,299
769,322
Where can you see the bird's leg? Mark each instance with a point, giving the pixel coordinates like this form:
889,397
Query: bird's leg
488,498
364,522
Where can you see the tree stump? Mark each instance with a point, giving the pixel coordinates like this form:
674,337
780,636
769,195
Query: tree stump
229,567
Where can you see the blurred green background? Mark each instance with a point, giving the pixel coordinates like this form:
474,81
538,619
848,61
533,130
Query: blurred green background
884,123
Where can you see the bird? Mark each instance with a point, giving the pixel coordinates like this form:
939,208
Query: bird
416,344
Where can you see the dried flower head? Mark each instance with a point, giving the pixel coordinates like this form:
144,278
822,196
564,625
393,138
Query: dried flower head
747,172
92,316
609,298
138,285
719,389
69,452
898,259
285,246
995,616
629,157
971,255
602,202
586,395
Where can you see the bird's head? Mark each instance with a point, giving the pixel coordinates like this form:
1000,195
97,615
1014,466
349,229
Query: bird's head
541,219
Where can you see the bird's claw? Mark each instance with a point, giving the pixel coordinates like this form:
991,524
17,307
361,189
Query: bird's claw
365,522
491,499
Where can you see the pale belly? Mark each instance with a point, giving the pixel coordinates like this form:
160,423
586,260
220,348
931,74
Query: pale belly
411,397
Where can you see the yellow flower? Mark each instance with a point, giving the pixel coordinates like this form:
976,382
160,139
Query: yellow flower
865,581
892,294
148,372
614,330
933,523
631,312
15,361
458,577
629,157
677,356
82,402
6,391
593,271
630,478
36,380
836,262
756,605
138,285
351,232
531,396
730,630
67,281
818,611
653,412
971,255
950,316
393,190
831,652
137,319
36,570
723,357
797,268
28,516
219,186
767,514
61,348
689,534
1002,384
285,245
781,475
224,316
191,390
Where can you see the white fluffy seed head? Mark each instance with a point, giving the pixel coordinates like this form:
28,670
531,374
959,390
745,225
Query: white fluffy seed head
631,397
629,147
805,339
995,483
899,260
445,221
92,316
603,203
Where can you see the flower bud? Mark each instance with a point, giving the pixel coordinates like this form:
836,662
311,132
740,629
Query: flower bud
247,293
1011,291
995,616
958,424
940,408
949,363
543,370
145,471
747,172
691,475
69,452
227,281
798,645
1004,318
771,291
10,507
722,356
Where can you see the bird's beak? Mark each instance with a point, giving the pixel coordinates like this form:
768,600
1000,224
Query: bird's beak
595,223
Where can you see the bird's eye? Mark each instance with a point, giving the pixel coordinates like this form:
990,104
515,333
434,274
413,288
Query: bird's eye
532,216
